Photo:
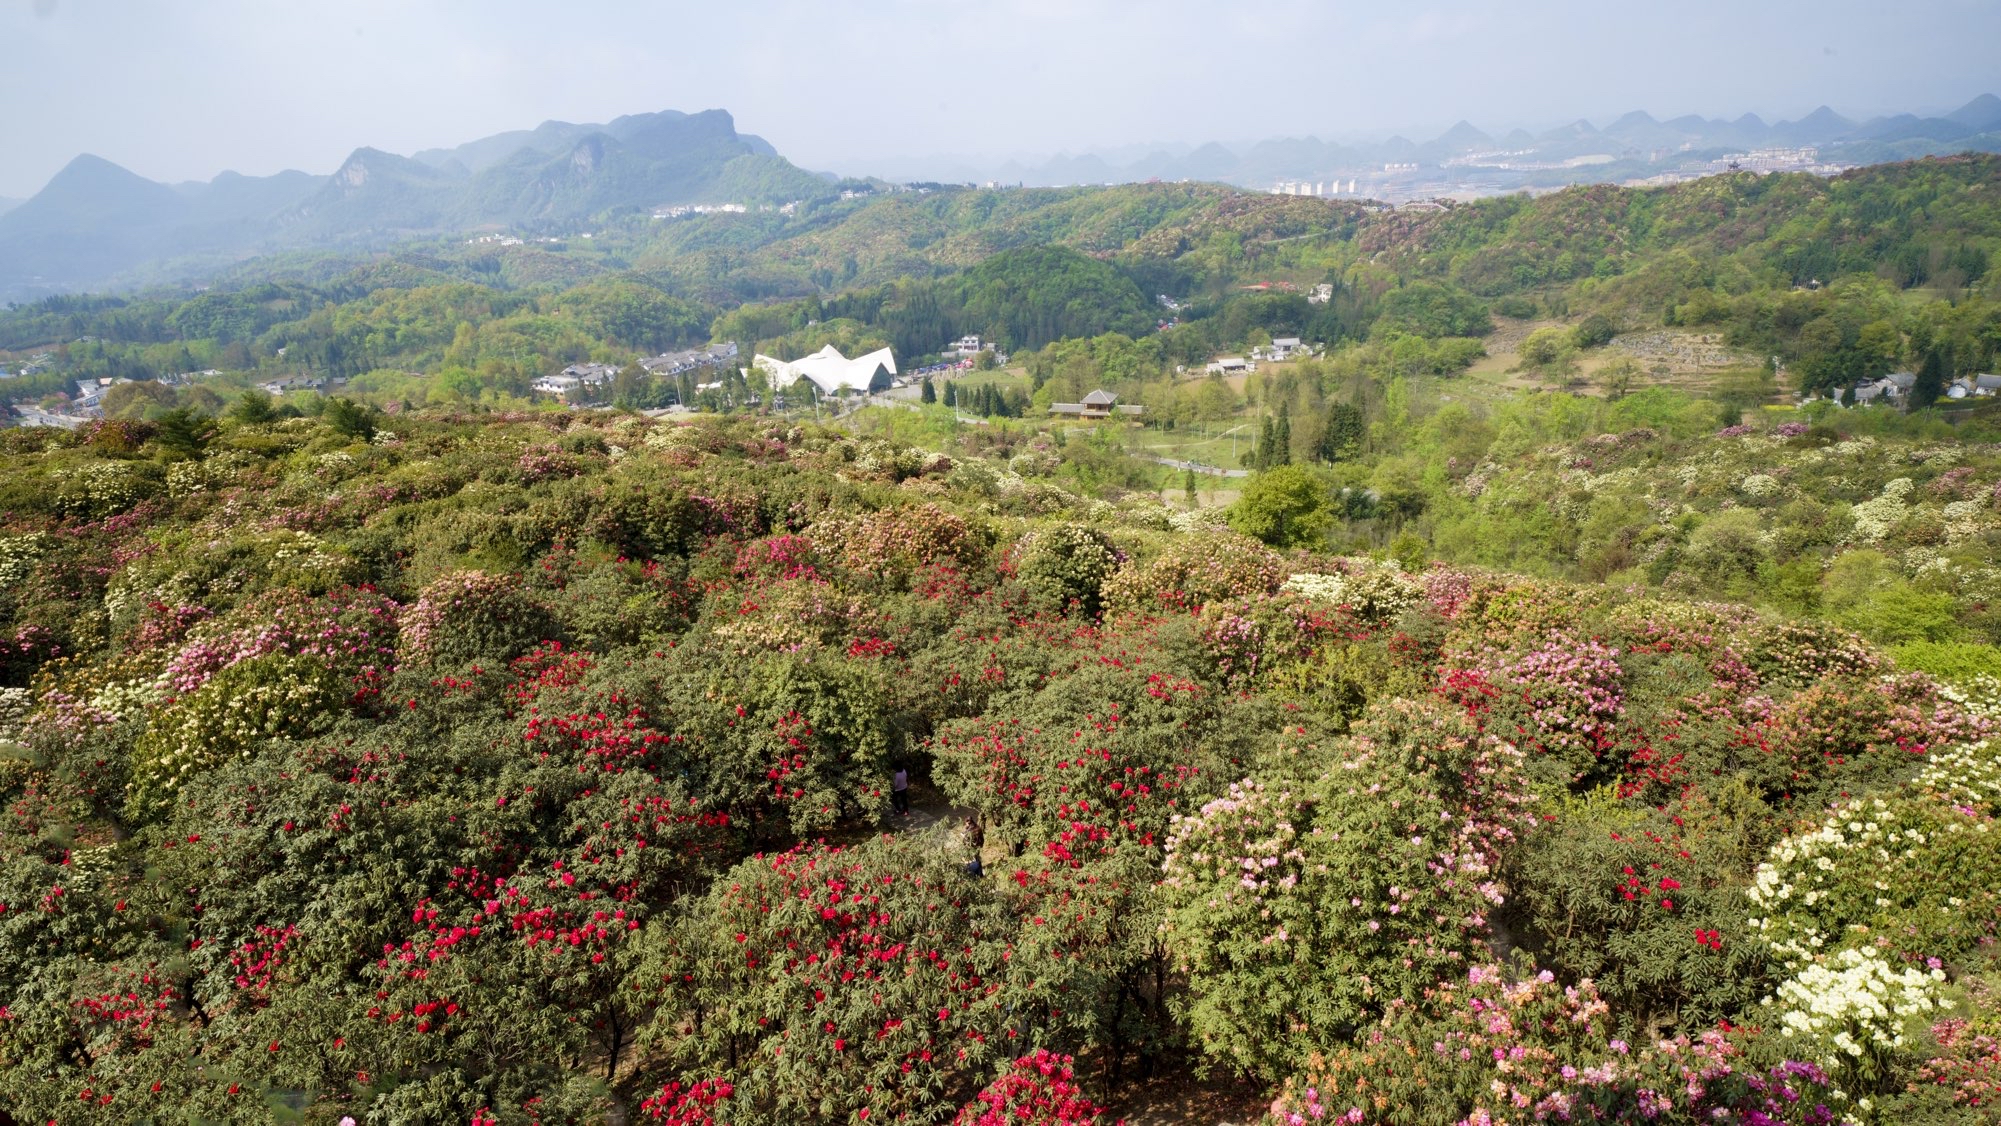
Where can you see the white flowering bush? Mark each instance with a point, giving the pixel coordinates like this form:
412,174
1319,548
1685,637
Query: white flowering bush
1376,592
1850,1013
105,488
244,705
18,555
1873,519
1909,873
1758,485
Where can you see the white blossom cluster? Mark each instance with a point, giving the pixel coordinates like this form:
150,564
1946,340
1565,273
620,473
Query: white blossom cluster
1968,776
1805,871
1980,696
129,699
18,555
1874,518
1758,485
1856,1003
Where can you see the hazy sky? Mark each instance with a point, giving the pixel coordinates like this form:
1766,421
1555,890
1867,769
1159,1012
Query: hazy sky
182,90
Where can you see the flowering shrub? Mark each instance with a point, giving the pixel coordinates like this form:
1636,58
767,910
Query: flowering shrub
469,614
1560,699
1375,592
105,488
1035,1090
1193,571
1494,1048
1300,914
232,713
1909,873
893,543
1646,903
1068,564
1850,1011
695,1105
1838,737
839,982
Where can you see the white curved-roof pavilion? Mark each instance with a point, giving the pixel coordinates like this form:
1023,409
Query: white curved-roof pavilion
832,373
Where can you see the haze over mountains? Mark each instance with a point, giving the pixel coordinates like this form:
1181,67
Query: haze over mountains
1634,140
96,224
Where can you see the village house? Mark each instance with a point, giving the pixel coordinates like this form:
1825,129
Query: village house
1975,386
1231,365
286,384
674,363
1098,404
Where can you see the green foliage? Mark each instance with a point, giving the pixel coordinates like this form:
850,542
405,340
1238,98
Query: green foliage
1285,507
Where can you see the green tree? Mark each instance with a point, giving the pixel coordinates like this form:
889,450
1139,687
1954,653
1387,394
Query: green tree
252,407
1286,506
183,432
1341,435
345,416
1930,384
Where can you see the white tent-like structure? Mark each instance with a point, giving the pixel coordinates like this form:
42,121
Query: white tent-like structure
831,373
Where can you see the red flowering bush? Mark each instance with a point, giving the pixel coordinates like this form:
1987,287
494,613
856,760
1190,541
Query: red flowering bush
1649,904
1038,1089
826,982
693,1105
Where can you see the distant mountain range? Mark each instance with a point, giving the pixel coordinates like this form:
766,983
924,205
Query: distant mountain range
97,225
96,221
1633,143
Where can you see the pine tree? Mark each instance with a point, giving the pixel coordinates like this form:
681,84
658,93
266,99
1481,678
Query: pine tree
1341,435
929,394
1281,438
1930,384
1261,457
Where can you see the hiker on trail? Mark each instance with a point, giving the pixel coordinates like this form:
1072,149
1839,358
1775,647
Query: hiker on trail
899,791
976,838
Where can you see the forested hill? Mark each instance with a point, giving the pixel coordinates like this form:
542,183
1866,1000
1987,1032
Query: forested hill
1796,266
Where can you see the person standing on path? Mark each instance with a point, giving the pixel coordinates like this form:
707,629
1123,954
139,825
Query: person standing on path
899,791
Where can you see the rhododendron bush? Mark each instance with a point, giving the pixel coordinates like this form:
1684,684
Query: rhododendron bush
1299,911
536,767
836,981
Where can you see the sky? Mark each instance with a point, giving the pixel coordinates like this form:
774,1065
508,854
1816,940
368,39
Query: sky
183,89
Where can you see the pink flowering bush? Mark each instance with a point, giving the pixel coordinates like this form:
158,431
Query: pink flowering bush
1495,1047
1300,912
1561,698
469,614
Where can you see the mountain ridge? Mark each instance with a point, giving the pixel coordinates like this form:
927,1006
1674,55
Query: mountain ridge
95,220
